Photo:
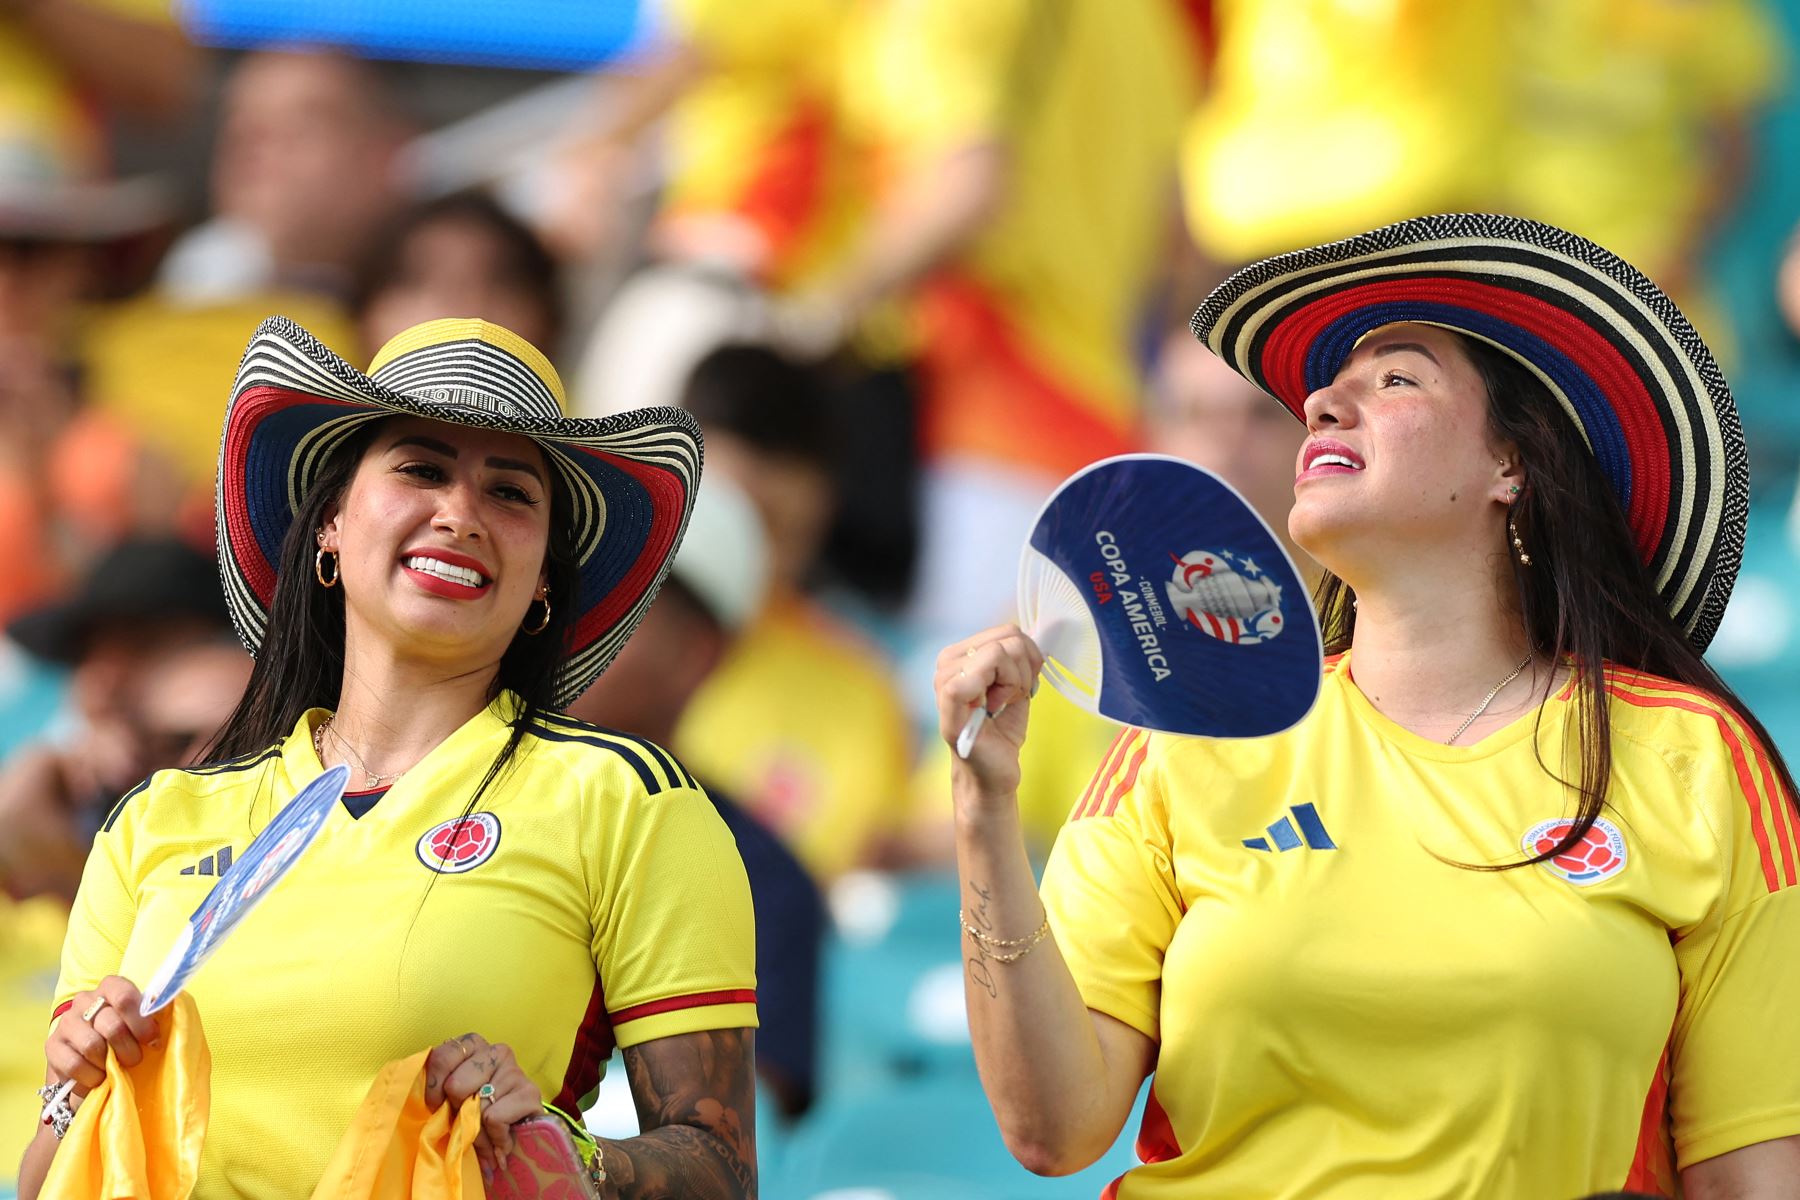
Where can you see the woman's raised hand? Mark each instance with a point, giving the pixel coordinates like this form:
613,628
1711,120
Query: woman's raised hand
105,1018
460,1068
997,669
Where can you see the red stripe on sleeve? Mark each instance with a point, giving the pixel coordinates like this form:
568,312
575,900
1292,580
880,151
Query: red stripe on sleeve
62,1008
1101,772
1156,1140
1118,761
1125,784
1759,828
1653,1163
675,1003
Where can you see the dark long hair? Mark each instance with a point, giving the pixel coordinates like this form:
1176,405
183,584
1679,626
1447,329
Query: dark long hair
1585,599
300,664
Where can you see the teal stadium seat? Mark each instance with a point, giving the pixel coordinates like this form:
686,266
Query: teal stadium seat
931,1139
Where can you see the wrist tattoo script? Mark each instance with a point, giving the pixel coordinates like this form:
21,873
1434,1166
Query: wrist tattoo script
981,974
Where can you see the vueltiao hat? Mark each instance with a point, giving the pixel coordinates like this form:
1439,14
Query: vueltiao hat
1613,349
630,478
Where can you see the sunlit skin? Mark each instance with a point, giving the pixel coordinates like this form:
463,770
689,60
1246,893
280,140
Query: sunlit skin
478,497
1413,409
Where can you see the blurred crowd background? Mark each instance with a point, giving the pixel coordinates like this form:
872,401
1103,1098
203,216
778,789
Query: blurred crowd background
909,262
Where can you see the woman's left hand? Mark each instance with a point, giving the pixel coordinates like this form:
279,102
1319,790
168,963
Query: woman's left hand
460,1068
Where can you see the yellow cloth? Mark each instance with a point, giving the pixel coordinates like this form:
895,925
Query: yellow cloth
759,164
138,1136
1341,1010
600,901
37,93
1616,124
397,1149
1026,334
1324,118
802,725
31,936
162,370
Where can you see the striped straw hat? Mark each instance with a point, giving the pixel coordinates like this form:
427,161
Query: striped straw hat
1613,349
630,478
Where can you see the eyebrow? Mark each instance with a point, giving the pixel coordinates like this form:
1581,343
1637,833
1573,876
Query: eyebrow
1397,347
449,451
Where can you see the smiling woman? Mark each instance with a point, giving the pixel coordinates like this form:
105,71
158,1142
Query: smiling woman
1504,914
428,561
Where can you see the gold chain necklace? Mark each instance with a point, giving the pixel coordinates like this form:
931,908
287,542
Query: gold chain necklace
371,780
1470,720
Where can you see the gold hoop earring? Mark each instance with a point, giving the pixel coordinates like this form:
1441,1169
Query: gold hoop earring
1518,546
544,623
319,567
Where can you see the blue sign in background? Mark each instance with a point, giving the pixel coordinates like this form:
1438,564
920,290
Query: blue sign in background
1228,657
551,35
269,857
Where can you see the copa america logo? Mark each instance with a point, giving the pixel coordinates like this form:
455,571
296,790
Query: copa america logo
1226,597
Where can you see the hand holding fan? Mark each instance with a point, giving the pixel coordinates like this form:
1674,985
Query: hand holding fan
1162,600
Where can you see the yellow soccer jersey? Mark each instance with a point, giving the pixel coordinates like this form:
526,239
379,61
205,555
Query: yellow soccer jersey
1342,1011
595,899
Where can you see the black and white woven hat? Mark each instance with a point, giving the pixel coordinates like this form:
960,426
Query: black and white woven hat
1618,355
630,478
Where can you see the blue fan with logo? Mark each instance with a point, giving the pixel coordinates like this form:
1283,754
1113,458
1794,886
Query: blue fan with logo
1162,600
255,873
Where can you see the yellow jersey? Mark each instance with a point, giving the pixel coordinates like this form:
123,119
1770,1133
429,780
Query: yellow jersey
1343,1008
1025,337
593,899
802,724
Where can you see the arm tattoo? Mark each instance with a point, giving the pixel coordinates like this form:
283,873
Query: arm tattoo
696,1103
980,973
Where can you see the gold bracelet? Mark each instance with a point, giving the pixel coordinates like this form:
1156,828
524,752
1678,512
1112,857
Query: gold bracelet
993,946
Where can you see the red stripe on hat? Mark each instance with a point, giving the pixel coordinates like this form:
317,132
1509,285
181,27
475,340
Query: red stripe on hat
1646,439
253,406
1759,821
676,1003
668,499
1130,779
1101,772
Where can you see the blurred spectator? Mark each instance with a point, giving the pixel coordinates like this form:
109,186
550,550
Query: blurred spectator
71,479
1326,117
760,185
802,721
66,65
1203,411
1025,162
713,590
1630,125
154,674
457,256
305,168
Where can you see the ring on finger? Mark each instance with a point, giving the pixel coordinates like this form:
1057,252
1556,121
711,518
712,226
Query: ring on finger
94,1009
485,1094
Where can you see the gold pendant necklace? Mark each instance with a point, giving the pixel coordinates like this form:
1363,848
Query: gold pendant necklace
371,780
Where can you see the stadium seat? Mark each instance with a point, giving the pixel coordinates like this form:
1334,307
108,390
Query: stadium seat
931,1139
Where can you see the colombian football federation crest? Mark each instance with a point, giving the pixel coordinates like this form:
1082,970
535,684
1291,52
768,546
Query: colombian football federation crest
460,844
1225,596
1599,855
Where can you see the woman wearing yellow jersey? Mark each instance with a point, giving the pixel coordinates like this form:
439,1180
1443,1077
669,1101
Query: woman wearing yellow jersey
428,561
1511,911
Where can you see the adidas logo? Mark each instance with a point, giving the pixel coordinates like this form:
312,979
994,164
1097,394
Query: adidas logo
1283,836
212,864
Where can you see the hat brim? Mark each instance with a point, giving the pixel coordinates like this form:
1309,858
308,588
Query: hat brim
79,213
630,480
1621,359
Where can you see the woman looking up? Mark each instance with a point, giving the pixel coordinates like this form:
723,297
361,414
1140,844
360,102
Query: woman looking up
1504,914
428,561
